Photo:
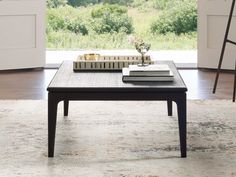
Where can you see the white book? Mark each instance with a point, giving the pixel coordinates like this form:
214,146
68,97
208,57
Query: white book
150,70
127,77
155,67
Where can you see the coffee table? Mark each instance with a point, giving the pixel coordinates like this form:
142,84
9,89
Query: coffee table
108,86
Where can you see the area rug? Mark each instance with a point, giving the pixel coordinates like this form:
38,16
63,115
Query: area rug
117,139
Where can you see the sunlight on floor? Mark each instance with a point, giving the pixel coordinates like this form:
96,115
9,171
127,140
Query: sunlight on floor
178,56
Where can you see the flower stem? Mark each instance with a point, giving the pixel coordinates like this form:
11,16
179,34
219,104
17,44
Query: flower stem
143,60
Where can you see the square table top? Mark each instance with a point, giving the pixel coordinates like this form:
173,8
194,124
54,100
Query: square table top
66,80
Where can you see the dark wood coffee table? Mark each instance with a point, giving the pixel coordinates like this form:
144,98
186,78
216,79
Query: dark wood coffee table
68,85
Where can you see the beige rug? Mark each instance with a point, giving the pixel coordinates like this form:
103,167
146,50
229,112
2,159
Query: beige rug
118,139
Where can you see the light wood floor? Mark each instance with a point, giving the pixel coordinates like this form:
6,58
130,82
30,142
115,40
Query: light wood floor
32,84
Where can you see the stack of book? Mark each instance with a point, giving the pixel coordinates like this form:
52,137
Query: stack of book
158,72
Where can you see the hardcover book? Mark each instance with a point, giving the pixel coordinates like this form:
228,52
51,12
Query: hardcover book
150,70
127,77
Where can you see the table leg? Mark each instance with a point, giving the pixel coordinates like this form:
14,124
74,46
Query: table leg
52,119
66,107
169,107
182,113
234,92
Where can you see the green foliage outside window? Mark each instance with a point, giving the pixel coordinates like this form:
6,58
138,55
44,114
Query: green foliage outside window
110,23
166,24
101,10
66,18
77,3
111,18
103,19
56,3
182,18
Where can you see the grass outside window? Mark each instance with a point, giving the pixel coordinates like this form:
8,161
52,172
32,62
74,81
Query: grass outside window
76,28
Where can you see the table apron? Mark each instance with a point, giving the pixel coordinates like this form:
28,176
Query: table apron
118,96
